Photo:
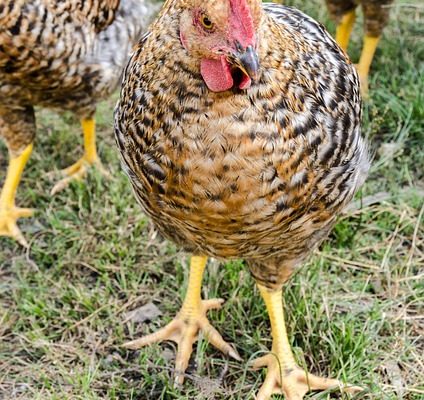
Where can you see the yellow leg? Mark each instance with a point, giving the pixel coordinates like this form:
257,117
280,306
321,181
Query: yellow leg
9,214
284,376
344,29
367,55
79,170
191,319
89,130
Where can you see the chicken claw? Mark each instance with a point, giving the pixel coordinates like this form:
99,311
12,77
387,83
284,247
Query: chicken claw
284,376
184,328
8,226
79,170
293,382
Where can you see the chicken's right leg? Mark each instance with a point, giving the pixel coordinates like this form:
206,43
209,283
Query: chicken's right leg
191,319
9,213
344,29
367,55
17,128
284,376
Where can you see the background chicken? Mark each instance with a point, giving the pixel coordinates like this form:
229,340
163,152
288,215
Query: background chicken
376,15
238,125
65,55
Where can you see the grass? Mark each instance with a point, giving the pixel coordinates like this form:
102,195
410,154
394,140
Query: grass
355,310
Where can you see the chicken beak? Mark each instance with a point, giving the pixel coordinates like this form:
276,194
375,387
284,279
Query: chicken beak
248,62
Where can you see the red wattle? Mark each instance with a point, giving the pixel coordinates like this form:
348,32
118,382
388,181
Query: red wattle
216,74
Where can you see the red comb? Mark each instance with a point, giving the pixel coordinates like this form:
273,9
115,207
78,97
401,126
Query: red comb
241,23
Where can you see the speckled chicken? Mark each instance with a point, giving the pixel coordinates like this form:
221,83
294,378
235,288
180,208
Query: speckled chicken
239,127
376,16
65,55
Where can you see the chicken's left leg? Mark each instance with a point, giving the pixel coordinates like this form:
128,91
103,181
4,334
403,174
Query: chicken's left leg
79,170
284,376
367,55
9,213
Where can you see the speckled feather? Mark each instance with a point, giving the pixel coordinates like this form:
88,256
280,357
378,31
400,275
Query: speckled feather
376,13
259,174
65,55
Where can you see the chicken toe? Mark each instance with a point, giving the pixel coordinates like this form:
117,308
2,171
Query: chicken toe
8,226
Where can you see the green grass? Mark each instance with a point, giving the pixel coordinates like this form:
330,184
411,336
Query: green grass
354,311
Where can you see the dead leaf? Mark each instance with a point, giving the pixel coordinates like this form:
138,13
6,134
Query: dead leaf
148,312
395,375
389,150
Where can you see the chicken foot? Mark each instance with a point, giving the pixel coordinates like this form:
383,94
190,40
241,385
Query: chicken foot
284,376
78,170
191,319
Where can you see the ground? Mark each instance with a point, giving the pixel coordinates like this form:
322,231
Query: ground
355,310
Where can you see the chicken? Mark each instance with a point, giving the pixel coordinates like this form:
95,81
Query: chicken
238,125
64,55
376,15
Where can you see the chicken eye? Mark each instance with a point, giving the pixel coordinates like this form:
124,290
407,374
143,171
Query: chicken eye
206,22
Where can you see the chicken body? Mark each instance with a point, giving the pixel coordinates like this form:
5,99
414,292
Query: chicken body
376,16
63,55
258,173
